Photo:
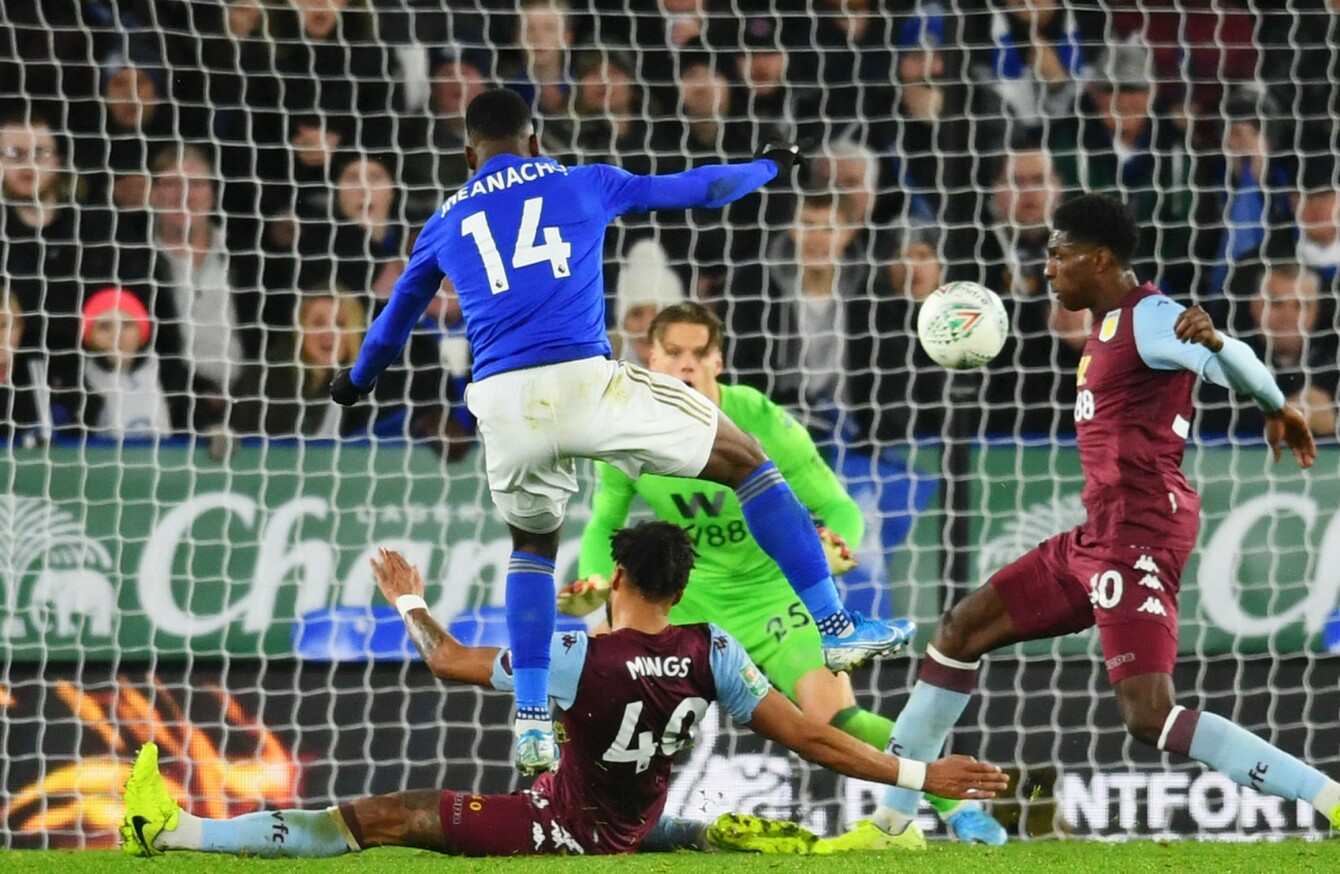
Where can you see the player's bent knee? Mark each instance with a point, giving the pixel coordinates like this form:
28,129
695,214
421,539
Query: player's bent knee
1145,702
954,636
1146,725
735,455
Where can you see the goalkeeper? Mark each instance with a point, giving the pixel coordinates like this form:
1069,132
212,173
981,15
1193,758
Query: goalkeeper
734,584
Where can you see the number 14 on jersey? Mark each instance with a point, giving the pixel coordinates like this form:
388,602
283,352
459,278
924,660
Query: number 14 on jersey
554,249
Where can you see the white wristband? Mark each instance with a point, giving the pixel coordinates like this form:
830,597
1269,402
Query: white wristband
406,603
911,774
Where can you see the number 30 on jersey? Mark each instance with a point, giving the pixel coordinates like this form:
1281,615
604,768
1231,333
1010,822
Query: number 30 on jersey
554,249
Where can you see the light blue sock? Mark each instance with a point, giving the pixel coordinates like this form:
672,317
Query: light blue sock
1240,755
530,628
305,834
938,700
672,833
785,531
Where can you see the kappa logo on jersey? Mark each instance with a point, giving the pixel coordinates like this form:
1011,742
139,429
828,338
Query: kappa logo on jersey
1153,606
698,502
659,666
569,641
1109,329
719,643
1149,581
1146,564
1083,370
754,680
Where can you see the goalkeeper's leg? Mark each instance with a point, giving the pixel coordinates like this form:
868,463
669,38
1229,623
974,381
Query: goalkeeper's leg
783,528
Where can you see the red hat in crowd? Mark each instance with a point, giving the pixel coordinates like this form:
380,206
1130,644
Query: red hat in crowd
113,298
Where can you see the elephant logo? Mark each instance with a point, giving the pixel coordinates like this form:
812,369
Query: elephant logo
42,540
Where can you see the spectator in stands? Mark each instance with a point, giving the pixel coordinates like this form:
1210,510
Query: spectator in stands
205,313
331,63
542,70
645,286
1012,251
225,52
1022,383
434,154
1120,142
1243,193
854,42
1318,215
21,419
663,37
140,120
120,393
851,171
298,200
50,245
815,271
897,393
368,245
1288,326
917,270
767,97
709,135
289,395
1301,69
1033,56
612,112
937,129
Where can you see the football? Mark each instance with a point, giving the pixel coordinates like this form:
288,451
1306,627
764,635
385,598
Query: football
962,325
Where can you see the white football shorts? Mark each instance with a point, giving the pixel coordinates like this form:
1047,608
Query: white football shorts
535,422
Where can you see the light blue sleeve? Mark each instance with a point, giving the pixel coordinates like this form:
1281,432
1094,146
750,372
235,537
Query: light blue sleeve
1234,366
740,684
567,656
711,186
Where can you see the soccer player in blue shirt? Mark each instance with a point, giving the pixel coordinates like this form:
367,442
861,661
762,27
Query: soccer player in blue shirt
522,244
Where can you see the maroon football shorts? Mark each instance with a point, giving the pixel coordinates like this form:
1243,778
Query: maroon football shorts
519,824
1067,584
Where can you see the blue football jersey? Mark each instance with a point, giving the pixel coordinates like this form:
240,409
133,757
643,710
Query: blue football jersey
522,244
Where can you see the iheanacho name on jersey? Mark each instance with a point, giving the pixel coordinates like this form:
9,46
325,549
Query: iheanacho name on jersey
503,179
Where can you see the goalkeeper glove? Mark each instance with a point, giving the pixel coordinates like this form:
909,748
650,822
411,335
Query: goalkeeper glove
840,559
584,596
784,155
344,392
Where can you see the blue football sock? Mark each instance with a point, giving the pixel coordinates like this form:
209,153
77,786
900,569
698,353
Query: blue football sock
937,701
530,628
1240,755
785,531
306,834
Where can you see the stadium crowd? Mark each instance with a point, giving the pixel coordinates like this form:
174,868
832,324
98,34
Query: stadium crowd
204,201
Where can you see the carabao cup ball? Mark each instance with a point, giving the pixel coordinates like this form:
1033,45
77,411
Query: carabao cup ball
962,325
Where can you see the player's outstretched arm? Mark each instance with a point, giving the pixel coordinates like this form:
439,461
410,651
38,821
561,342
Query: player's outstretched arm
413,292
711,187
446,657
778,719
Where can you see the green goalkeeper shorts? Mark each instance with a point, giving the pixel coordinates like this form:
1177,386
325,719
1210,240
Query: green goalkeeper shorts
768,620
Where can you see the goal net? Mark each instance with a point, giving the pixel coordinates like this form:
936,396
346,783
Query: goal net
206,200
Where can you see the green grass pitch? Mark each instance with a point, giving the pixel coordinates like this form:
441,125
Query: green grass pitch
1073,857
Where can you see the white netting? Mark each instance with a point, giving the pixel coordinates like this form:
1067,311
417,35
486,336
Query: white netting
184,515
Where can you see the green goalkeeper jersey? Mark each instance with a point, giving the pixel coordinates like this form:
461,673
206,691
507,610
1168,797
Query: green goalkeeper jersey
728,557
